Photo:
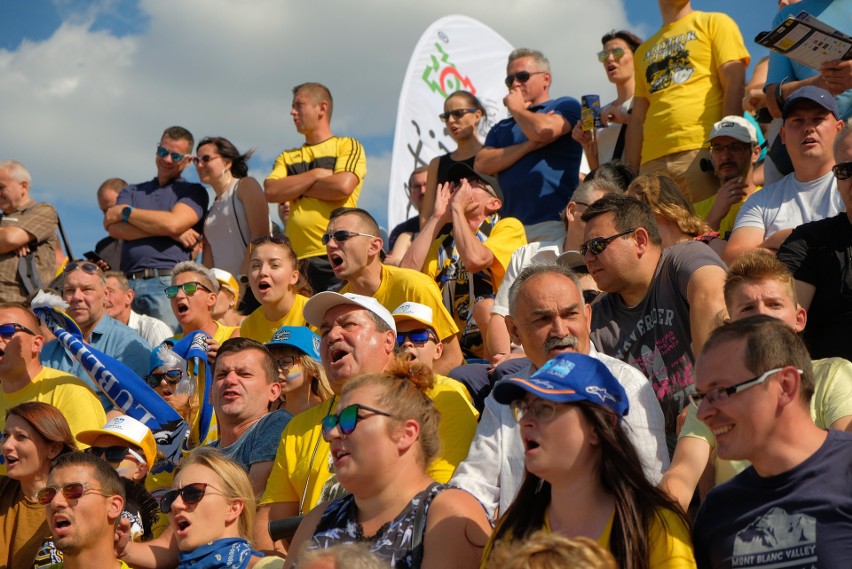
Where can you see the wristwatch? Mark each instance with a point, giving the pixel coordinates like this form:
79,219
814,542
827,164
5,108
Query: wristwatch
125,214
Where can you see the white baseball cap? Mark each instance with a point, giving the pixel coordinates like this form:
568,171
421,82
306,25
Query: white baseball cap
736,127
321,303
127,429
413,311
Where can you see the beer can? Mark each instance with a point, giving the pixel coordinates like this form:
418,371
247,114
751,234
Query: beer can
590,112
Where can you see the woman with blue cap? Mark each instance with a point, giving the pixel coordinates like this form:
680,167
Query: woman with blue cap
295,350
583,475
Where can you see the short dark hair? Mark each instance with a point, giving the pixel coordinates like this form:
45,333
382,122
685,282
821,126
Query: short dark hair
628,213
629,38
769,343
102,471
178,133
617,172
226,149
318,92
240,344
370,223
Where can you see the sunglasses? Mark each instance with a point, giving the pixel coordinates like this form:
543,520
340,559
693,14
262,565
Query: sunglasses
617,53
341,236
191,495
10,329
72,491
521,76
278,240
115,454
456,114
85,266
188,289
417,337
172,377
597,245
163,152
347,420
842,171
200,159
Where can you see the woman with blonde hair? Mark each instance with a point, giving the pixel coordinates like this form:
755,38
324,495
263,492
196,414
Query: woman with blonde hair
676,218
295,350
544,550
382,438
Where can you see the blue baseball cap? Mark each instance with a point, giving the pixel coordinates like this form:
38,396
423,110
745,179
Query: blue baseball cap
299,337
812,93
568,378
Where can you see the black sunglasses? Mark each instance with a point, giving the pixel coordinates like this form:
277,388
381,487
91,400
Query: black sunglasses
163,152
72,491
172,377
189,289
115,454
418,337
842,171
191,495
597,245
202,159
341,236
9,330
456,114
347,420
85,266
521,76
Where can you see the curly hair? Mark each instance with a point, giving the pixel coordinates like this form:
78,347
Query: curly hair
666,199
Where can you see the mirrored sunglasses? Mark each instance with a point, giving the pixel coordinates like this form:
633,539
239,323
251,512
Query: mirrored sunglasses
172,377
597,245
347,420
188,289
417,337
617,53
10,329
163,152
85,266
72,491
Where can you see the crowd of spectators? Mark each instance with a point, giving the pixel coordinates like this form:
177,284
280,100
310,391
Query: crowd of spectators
646,365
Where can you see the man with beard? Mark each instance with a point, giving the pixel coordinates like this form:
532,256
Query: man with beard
548,316
734,151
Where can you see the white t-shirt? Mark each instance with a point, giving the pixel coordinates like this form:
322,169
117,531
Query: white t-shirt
789,203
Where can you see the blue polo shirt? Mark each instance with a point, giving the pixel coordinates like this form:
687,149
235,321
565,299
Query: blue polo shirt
160,252
539,185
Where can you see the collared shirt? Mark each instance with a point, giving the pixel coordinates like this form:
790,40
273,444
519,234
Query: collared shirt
153,330
41,221
494,467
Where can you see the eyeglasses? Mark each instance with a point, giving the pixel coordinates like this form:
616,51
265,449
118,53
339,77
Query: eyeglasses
716,396
733,148
200,159
172,377
72,491
597,245
85,266
188,289
286,362
347,420
521,76
115,454
541,410
341,236
456,114
417,337
617,53
191,495
9,330
842,171
163,152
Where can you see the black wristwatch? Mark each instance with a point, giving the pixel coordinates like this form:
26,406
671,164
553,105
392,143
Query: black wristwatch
125,214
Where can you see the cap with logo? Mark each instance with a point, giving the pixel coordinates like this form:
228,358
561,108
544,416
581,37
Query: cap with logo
322,302
299,337
814,94
736,127
413,311
127,429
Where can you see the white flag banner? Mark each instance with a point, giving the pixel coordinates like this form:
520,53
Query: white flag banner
454,53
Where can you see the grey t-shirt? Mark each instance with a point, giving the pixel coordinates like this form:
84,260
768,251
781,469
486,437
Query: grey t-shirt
260,442
655,336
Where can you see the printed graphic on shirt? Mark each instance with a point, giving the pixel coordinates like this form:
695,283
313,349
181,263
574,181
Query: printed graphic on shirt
777,539
667,63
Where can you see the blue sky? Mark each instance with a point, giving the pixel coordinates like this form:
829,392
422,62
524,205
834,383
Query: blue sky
88,85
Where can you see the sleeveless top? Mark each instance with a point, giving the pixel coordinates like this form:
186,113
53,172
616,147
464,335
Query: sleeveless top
394,542
226,230
445,163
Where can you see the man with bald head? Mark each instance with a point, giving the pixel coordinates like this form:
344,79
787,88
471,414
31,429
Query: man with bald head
23,378
358,337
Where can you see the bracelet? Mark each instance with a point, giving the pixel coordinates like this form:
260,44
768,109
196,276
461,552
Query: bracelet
779,96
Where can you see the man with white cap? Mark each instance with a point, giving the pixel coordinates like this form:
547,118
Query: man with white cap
734,151
358,336
809,131
125,443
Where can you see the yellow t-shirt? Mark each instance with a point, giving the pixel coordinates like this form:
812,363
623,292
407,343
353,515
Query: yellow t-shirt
302,463
222,333
257,327
671,544
72,397
832,400
407,285
677,71
726,226
309,216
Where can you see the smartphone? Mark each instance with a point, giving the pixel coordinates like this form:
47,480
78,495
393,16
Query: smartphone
95,258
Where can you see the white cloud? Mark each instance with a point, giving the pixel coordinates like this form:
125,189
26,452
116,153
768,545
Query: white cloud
86,105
